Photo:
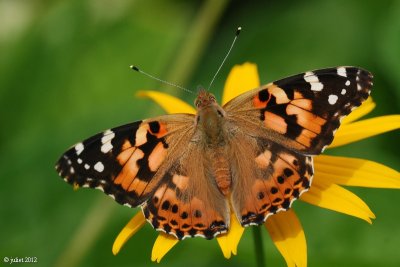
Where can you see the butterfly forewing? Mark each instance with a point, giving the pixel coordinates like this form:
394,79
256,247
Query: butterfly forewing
123,161
302,112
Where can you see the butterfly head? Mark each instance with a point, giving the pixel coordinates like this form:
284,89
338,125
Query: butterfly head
204,99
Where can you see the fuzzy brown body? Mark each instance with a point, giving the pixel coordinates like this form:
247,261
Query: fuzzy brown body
211,122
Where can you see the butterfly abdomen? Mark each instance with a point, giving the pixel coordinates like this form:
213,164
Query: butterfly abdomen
221,171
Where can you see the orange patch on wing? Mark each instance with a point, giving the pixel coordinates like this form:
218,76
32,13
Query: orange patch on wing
138,186
124,156
298,95
306,119
141,134
263,160
180,181
302,103
280,95
157,156
275,122
130,170
305,137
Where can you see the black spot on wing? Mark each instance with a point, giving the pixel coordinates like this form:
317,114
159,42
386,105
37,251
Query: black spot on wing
154,127
263,95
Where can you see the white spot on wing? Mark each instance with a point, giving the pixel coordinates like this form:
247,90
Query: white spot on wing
332,99
107,136
317,86
105,148
79,160
312,79
99,167
347,83
79,148
343,92
342,71
87,166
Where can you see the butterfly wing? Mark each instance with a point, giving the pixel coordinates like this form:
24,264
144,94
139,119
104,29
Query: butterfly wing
270,182
147,163
302,112
188,203
279,125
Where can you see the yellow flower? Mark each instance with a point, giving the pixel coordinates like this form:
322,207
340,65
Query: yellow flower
326,191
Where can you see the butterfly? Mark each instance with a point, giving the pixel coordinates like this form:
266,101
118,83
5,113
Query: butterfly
254,155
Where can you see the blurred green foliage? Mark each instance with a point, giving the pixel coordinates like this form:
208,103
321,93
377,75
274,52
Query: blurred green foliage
64,76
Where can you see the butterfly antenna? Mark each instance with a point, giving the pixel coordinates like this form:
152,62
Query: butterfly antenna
158,79
227,54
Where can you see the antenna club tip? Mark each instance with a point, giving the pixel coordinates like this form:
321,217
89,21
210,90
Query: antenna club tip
134,68
238,30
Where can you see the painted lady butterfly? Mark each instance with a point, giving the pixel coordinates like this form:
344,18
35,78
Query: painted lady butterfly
253,155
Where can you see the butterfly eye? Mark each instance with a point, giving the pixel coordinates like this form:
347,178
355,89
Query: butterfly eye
212,98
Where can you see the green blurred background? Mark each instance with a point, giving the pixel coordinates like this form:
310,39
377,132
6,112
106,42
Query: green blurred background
64,76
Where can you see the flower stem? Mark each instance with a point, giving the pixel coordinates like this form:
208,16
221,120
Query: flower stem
258,246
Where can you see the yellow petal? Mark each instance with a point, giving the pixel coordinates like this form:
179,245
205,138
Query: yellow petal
229,241
288,236
361,111
169,103
128,231
163,244
355,131
241,79
335,197
355,172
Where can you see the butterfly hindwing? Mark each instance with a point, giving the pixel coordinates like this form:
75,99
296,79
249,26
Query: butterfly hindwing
270,182
187,203
302,112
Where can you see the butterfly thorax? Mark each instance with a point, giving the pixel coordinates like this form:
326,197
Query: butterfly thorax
210,122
